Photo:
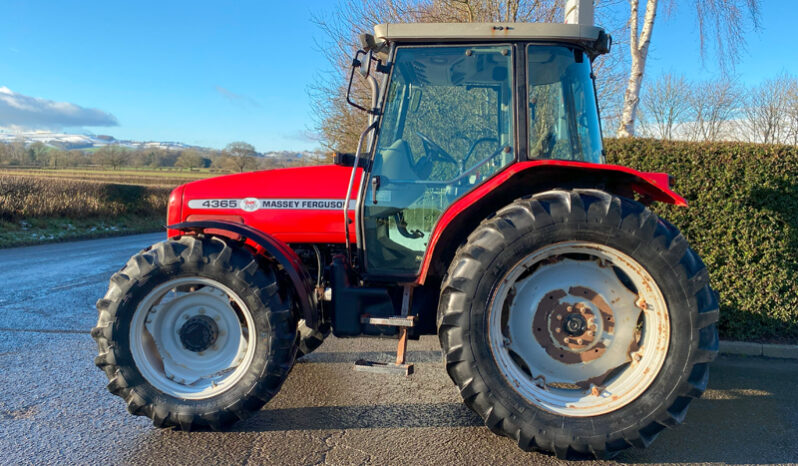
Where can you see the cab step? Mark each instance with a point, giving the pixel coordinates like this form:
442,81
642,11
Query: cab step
362,365
398,321
404,322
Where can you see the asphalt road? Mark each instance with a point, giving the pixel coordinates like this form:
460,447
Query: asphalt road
54,406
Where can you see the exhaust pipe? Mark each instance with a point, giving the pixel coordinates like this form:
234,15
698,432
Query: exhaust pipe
579,12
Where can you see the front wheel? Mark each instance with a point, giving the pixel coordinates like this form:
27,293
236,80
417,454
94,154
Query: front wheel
194,332
578,321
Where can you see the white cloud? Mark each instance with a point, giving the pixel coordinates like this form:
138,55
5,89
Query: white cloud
19,111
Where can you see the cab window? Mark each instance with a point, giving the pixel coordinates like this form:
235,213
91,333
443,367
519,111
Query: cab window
563,117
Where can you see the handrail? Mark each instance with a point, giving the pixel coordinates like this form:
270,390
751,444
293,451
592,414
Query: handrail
351,183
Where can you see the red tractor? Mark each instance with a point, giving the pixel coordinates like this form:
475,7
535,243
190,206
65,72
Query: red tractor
477,206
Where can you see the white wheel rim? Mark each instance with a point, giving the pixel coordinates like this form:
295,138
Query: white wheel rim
196,368
573,339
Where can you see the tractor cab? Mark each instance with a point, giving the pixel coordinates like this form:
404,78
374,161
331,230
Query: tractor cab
455,104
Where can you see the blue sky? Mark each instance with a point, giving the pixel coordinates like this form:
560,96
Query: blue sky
208,73
769,50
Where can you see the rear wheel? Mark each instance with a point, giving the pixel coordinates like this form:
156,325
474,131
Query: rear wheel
194,332
578,322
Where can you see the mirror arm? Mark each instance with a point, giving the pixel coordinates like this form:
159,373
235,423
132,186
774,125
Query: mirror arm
356,63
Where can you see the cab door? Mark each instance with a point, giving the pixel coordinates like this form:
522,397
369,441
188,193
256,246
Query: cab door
447,126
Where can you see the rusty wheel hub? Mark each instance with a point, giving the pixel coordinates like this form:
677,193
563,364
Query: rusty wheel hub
571,327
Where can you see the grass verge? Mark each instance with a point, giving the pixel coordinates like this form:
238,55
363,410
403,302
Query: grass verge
34,231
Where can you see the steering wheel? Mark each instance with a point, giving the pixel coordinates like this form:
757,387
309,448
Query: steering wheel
474,146
435,151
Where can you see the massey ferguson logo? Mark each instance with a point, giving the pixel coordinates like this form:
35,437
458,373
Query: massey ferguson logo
250,204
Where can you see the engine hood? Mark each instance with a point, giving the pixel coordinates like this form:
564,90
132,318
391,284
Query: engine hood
295,205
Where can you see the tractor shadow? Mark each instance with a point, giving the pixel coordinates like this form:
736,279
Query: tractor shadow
362,417
380,356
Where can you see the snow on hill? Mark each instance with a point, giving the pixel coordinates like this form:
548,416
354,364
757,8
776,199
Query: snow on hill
82,141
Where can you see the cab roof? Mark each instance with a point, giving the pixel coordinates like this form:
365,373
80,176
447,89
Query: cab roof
592,38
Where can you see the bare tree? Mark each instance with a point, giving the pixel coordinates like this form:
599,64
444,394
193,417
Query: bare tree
240,157
190,158
638,46
791,113
713,105
722,20
113,156
37,153
666,102
765,111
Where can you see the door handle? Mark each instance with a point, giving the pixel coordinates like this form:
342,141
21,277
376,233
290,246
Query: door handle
375,185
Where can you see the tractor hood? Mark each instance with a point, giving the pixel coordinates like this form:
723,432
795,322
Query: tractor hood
295,205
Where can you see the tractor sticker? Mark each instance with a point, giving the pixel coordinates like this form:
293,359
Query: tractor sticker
252,204
249,204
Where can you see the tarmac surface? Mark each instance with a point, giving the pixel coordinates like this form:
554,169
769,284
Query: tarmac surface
54,406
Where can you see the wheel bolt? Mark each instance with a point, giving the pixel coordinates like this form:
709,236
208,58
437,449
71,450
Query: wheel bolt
185,316
579,341
557,330
202,311
559,317
217,318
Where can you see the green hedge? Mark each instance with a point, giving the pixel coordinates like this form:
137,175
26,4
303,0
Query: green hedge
742,220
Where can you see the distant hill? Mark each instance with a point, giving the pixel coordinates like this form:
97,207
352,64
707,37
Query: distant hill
88,142
84,141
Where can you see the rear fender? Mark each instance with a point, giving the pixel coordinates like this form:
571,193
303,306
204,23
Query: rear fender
300,278
527,178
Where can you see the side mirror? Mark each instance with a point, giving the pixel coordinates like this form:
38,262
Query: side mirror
365,64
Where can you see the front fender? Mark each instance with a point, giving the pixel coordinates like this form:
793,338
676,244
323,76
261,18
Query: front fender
300,278
531,177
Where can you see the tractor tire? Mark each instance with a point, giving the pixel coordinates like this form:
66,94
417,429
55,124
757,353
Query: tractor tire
195,333
310,339
578,323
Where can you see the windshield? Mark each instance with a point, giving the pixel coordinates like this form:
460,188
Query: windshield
563,118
